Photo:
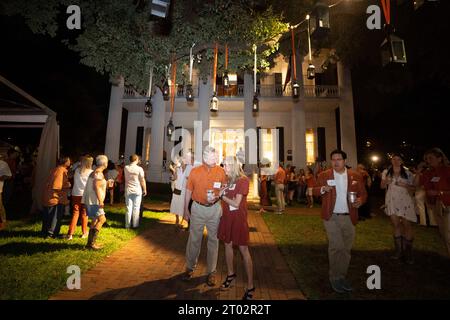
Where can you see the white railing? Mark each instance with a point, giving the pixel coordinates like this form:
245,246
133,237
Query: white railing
321,91
272,91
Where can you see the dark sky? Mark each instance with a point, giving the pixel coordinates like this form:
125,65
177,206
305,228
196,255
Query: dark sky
411,110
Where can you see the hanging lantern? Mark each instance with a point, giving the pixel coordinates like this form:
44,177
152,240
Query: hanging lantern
226,81
189,92
320,20
160,8
295,90
170,128
255,106
311,71
166,91
148,108
214,103
393,50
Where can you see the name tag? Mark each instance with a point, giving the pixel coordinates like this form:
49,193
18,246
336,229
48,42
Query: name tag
232,208
232,187
331,183
435,179
217,185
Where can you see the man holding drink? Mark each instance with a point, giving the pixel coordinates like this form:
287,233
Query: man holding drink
343,192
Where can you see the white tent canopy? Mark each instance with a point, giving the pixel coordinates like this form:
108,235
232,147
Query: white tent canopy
18,113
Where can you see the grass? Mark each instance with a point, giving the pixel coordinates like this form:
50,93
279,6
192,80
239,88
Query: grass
34,268
302,241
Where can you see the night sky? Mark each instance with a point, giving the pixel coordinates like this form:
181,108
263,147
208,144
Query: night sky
412,110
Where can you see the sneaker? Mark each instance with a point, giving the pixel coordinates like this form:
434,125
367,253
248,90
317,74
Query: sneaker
68,237
211,280
337,286
187,275
345,284
84,235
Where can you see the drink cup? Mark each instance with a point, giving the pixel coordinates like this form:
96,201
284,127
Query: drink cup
352,197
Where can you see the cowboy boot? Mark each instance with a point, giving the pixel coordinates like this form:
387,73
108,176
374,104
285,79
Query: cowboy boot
398,248
90,238
407,247
94,245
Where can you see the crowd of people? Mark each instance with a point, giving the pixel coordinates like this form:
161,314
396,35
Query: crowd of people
212,196
84,187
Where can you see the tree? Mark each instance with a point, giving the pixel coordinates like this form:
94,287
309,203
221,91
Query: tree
120,38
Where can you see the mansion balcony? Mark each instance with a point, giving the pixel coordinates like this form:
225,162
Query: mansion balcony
266,91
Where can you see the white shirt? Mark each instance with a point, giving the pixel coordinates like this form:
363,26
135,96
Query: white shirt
341,205
133,176
4,171
182,177
79,181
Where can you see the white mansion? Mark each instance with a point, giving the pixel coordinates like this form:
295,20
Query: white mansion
287,130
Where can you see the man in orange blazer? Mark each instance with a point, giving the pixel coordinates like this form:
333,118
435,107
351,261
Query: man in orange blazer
339,215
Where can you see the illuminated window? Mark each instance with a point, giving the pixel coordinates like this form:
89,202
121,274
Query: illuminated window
267,144
310,158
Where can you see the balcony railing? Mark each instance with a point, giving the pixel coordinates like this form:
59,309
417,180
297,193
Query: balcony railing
269,91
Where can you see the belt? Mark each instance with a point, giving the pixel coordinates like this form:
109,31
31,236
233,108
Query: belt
341,214
207,205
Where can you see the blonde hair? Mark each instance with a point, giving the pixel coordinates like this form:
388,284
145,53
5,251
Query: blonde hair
86,163
236,169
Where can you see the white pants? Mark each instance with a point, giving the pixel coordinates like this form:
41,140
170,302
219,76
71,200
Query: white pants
133,203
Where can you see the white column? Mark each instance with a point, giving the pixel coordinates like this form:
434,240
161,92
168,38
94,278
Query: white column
204,96
157,138
298,133
348,135
112,143
250,129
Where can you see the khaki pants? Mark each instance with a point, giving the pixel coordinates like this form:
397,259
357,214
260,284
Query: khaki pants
279,192
202,216
442,217
340,233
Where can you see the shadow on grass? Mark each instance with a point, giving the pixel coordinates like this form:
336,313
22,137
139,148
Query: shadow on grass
170,288
20,248
11,233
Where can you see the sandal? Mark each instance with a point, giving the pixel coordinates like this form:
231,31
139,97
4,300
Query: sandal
227,283
248,295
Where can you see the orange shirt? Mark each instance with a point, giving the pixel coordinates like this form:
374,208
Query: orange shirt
203,178
55,191
280,176
310,181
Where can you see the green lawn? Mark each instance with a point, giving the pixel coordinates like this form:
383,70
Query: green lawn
302,241
34,268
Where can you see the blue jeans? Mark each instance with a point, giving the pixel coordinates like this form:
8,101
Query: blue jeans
133,203
52,219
